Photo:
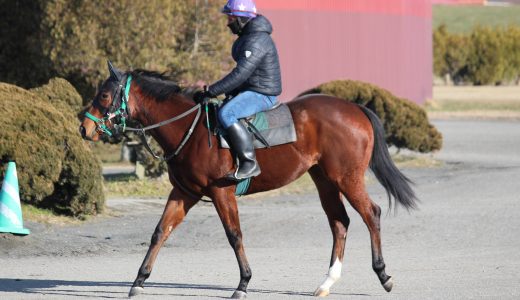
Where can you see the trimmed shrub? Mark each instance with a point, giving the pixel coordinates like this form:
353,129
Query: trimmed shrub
440,35
406,124
486,56
61,94
510,39
56,169
486,60
450,54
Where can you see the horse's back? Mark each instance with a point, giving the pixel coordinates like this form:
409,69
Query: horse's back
325,109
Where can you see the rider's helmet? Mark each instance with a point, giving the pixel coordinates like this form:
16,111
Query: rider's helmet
240,8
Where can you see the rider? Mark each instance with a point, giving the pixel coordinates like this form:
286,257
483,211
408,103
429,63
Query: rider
254,83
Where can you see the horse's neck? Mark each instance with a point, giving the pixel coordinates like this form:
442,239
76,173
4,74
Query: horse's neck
150,112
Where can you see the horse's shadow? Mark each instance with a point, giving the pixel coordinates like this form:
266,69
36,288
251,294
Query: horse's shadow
77,288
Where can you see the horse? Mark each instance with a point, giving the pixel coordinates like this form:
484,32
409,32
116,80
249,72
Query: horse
337,141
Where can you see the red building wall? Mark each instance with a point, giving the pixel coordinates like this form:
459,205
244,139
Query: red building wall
384,42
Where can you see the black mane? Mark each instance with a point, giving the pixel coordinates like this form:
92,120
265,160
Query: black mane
155,84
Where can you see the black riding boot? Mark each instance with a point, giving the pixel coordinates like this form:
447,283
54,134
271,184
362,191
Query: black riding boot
241,141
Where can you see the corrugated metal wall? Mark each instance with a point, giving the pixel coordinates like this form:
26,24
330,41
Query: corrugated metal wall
384,42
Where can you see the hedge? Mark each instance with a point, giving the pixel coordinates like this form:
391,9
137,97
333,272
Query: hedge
485,56
61,94
406,124
55,167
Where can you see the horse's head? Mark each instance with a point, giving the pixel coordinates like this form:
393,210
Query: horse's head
106,117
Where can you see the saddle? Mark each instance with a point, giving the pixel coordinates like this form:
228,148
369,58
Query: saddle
269,128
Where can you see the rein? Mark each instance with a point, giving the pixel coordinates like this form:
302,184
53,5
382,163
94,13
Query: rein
141,132
123,113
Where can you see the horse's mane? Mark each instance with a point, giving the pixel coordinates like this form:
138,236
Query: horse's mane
155,84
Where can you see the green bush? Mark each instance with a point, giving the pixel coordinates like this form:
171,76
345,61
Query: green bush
510,39
450,54
61,94
55,167
486,56
486,60
406,124
440,67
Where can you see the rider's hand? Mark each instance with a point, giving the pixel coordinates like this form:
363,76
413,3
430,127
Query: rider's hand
200,96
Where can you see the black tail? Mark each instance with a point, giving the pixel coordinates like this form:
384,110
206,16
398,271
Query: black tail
395,183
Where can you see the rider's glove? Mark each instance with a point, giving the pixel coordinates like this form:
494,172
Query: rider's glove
200,96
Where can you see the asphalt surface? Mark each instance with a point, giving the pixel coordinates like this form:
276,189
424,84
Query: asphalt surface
463,242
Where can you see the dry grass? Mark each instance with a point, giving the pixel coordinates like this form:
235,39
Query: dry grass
474,102
44,216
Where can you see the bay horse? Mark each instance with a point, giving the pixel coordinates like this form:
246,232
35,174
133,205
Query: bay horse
336,143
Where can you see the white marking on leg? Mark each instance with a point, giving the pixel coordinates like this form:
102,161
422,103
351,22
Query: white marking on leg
333,276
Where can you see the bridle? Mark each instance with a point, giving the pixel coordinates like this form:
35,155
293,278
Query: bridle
118,109
118,113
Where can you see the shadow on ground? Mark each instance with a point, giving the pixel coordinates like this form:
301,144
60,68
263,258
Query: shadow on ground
75,288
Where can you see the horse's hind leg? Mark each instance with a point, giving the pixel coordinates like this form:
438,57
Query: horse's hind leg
354,190
174,212
338,220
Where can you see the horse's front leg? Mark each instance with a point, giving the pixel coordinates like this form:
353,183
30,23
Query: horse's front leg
226,205
175,210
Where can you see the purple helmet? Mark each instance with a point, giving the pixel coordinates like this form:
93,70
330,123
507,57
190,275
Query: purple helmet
240,8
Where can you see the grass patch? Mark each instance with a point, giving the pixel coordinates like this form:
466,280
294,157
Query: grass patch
46,216
411,161
462,19
471,105
107,153
128,185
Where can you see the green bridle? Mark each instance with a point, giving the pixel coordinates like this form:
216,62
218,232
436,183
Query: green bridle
122,112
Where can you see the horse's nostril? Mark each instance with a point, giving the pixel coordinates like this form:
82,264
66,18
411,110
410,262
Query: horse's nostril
82,131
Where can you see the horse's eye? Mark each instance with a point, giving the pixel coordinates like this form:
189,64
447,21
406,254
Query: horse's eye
105,96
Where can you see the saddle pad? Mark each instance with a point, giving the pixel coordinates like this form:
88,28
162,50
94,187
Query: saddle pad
276,126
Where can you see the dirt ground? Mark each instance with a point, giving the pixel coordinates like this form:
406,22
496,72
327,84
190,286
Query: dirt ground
462,243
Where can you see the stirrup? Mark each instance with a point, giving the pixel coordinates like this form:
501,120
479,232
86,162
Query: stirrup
234,175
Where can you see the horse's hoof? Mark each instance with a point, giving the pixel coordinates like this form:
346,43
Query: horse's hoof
321,292
389,284
239,295
135,290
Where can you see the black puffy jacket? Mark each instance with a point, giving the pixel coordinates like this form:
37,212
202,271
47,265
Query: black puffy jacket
258,68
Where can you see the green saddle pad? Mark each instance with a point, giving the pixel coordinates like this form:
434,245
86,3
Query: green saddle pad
275,126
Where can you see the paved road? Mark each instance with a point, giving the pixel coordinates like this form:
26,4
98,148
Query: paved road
462,243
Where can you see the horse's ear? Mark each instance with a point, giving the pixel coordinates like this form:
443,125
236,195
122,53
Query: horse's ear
114,72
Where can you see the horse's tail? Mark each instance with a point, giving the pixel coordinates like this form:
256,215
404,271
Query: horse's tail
395,183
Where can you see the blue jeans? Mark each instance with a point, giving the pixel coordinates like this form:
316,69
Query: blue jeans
244,105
